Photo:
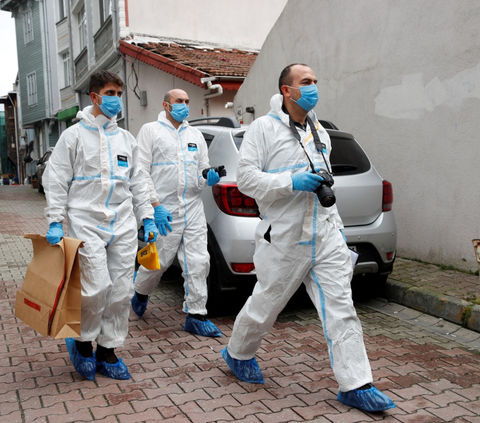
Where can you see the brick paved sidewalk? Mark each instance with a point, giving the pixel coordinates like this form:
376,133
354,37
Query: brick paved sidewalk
449,294
179,377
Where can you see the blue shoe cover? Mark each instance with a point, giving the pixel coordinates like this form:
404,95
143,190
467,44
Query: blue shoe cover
246,370
85,366
114,371
367,400
138,307
206,328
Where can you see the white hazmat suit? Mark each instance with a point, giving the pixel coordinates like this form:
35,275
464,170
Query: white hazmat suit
297,241
173,161
94,178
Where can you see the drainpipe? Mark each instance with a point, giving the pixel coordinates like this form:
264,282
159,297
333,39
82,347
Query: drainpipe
218,87
476,247
19,172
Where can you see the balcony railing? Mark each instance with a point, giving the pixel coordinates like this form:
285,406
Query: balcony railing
103,39
67,97
81,65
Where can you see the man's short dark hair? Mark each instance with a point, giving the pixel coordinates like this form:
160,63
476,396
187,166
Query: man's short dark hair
167,97
286,77
101,78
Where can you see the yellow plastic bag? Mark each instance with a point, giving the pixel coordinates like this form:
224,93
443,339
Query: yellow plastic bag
148,257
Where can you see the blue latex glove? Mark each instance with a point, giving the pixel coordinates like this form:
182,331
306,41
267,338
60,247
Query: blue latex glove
212,178
306,181
344,237
162,217
55,233
149,226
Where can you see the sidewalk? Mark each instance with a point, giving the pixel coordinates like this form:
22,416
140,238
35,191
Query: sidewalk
449,294
178,377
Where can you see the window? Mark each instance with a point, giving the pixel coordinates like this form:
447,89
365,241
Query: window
66,69
32,89
27,27
61,9
208,138
347,157
105,10
82,28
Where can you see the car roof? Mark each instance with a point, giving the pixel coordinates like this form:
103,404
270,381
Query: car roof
218,123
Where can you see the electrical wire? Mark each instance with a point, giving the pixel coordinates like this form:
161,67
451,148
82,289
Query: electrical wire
133,73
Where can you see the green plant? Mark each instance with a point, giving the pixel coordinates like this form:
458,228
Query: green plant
445,267
442,266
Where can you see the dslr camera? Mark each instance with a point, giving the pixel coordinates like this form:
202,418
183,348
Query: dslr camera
219,169
324,192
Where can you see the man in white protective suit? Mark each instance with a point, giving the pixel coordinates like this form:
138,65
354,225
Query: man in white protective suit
174,155
281,165
94,178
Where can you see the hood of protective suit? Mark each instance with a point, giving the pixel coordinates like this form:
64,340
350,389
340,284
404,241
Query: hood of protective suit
162,117
100,121
276,103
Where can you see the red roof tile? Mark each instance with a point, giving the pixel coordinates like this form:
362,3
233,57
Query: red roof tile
199,61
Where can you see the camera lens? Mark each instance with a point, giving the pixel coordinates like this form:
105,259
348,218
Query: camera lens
325,196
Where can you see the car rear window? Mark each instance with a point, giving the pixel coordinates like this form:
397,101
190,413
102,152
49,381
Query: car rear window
347,157
208,138
238,139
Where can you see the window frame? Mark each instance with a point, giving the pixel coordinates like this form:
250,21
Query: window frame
66,69
28,34
105,10
32,94
62,10
82,28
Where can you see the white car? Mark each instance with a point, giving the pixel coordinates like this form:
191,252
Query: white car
364,201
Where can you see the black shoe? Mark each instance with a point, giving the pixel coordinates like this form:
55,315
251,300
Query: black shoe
106,354
85,349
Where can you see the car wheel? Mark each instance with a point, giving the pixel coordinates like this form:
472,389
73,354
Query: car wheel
40,188
368,285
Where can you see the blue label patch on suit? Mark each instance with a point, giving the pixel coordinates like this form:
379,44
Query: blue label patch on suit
122,161
192,146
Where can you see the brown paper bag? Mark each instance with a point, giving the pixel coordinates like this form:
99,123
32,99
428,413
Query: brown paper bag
50,298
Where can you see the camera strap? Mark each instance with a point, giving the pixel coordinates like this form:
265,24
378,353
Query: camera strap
318,144
299,139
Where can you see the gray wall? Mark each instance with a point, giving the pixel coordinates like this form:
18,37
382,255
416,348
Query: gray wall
157,83
404,78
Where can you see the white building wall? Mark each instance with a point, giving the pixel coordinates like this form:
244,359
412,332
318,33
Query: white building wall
243,23
157,83
404,78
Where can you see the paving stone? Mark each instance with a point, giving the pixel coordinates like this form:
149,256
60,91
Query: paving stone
179,377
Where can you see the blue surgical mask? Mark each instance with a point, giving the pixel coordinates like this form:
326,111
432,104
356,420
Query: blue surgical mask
180,111
308,96
111,105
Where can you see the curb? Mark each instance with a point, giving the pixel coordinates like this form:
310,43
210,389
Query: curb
449,308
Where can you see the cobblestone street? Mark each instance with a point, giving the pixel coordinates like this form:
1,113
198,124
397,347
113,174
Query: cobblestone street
178,377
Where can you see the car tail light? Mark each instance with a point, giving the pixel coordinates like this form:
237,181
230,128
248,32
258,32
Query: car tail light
387,196
390,255
242,267
231,201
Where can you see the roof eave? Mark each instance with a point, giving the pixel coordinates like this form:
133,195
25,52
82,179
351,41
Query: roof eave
163,63
7,5
172,67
